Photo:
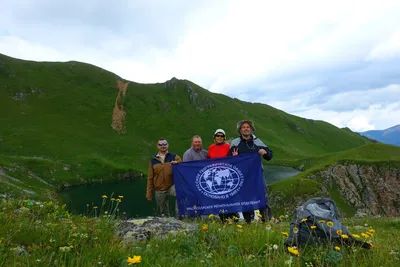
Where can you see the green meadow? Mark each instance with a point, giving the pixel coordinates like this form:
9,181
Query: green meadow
58,129
45,234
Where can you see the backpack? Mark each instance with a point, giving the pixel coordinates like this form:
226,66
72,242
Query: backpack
317,222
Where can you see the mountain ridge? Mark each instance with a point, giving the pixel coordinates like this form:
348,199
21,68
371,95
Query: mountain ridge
390,135
57,120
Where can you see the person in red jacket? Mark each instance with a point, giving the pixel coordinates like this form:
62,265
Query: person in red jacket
220,148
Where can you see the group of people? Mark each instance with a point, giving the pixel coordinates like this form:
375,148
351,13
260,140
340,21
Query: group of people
160,178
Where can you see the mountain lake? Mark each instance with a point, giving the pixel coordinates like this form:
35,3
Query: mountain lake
81,199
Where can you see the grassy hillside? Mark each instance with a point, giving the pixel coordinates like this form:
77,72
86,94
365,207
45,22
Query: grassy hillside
63,111
56,128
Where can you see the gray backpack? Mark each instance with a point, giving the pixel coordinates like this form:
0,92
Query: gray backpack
315,222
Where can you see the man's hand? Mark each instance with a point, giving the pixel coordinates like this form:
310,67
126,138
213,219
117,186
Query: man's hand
149,197
262,151
174,162
235,152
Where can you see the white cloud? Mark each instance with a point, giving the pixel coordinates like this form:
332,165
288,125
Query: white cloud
360,124
14,46
283,49
387,49
380,108
374,117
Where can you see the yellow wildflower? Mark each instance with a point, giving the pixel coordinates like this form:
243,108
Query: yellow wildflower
118,200
121,196
112,199
95,207
371,231
366,235
282,217
304,219
345,236
293,251
235,218
313,227
134,260
211,215
204,227
239,226
268,227
337,248
285,233
330,224
356,236
104,196
339,232
295,230
322,221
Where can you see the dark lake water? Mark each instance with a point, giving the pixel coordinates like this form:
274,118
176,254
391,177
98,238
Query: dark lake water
134,203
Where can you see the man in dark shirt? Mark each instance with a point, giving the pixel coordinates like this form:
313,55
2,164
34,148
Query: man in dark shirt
247,142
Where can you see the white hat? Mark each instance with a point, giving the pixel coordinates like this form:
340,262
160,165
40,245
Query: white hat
219,131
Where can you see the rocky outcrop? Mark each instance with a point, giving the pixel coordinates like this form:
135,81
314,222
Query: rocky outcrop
22,95
370,189
137,230
202,104
171,84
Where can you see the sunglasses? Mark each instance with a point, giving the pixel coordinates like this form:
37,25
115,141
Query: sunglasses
220,135
163,144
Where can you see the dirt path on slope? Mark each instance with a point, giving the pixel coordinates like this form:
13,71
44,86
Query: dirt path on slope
118,118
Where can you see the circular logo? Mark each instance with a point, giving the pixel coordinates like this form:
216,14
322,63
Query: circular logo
219,180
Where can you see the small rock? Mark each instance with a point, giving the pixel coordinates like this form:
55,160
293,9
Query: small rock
20,250
137,230
301,168
21,210
67,167
360,214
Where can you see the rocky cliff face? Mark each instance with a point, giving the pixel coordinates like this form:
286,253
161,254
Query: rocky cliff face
370,189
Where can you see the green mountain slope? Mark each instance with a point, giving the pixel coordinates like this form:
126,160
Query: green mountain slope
63,113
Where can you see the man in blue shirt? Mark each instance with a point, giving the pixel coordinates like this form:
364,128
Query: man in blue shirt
196,152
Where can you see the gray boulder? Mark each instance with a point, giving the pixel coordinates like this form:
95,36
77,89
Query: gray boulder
137,230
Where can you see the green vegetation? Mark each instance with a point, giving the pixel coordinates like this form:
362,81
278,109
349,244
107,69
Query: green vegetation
44,234
62,112
367,154
56,131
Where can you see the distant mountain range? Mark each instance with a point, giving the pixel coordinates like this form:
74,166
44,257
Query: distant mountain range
389,136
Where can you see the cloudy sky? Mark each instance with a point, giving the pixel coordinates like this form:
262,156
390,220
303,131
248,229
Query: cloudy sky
337,61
